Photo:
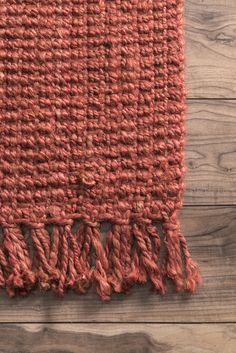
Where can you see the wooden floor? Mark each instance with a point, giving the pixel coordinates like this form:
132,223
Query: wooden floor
144,322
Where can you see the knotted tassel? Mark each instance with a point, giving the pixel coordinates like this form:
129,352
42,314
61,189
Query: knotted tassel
101,268
71,269
174,264
148,256
46,271
63,260
156,247
126,254
113,252
137,273
83,245
19,266
79,276
193,278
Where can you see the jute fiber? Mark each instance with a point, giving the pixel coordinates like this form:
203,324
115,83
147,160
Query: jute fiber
92,113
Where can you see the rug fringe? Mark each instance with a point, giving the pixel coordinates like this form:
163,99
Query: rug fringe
60,259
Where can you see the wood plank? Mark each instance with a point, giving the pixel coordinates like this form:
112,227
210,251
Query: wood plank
121,338
211,48
211,152
211,237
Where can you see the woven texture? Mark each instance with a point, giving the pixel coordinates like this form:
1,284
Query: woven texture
92,130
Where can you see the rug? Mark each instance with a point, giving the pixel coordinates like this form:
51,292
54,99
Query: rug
92,133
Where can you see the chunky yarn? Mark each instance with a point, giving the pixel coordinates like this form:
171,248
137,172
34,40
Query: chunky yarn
92,117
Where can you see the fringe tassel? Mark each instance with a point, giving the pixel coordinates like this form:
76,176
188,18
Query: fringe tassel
116,254
16,261
65,259
46,273
145,264
178,262
100,270
193,278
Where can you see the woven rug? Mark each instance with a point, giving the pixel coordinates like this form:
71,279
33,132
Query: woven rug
92,131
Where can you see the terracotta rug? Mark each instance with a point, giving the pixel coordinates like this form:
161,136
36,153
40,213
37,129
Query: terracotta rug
92,131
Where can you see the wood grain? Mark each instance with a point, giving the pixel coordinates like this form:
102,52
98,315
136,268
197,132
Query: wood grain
121,338
210,152
210,27
211,237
